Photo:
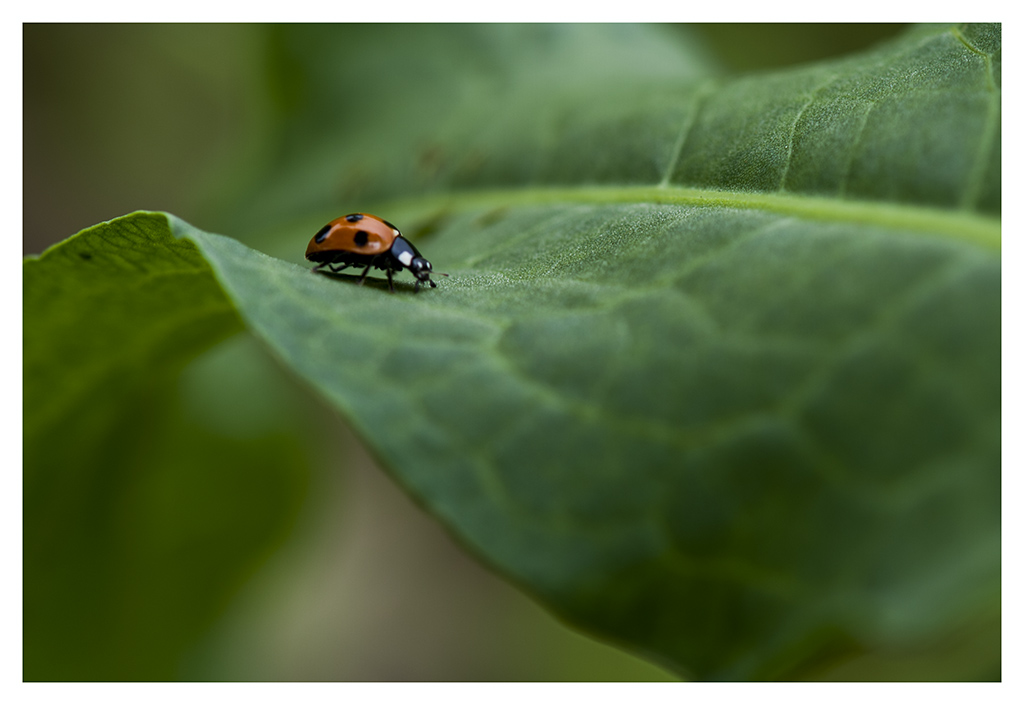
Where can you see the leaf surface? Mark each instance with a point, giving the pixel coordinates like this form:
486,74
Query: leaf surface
710,469
140,520
715,376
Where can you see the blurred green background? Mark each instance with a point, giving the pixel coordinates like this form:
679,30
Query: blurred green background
359,584
204,102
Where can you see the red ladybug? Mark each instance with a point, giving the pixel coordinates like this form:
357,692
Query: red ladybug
363,239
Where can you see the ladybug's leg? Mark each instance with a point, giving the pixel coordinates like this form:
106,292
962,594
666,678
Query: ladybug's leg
338,269
391,284
365,272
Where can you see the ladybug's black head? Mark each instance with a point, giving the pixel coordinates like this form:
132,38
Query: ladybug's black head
405,255
421,270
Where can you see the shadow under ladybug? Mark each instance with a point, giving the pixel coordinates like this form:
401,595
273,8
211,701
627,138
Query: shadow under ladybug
364,240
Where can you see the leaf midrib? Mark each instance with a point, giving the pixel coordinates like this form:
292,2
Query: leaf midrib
972,228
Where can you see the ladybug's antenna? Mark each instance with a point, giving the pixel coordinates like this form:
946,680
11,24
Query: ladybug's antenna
432,284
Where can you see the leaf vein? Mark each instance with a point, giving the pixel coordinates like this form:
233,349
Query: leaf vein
699,99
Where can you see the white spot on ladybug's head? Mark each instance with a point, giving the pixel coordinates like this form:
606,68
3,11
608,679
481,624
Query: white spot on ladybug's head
405,257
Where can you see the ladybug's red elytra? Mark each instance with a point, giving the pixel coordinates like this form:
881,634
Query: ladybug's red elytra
361,239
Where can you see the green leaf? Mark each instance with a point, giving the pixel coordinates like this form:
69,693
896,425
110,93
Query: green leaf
915,120
732,474
140,517
715,376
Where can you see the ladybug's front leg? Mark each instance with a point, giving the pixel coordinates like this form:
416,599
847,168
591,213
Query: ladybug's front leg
391,283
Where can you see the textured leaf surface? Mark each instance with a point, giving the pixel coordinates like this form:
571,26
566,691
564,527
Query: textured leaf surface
139,519
716,375
916,120
728,473
716,372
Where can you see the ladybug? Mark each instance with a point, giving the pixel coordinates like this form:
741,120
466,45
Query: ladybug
361,239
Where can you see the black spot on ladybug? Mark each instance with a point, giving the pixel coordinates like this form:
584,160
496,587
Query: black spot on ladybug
85,255
350,247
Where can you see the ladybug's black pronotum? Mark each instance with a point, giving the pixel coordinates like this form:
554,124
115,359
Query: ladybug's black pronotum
361,239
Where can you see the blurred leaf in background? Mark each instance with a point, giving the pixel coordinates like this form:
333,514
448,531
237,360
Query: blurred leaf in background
150,494
676,317
208,103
